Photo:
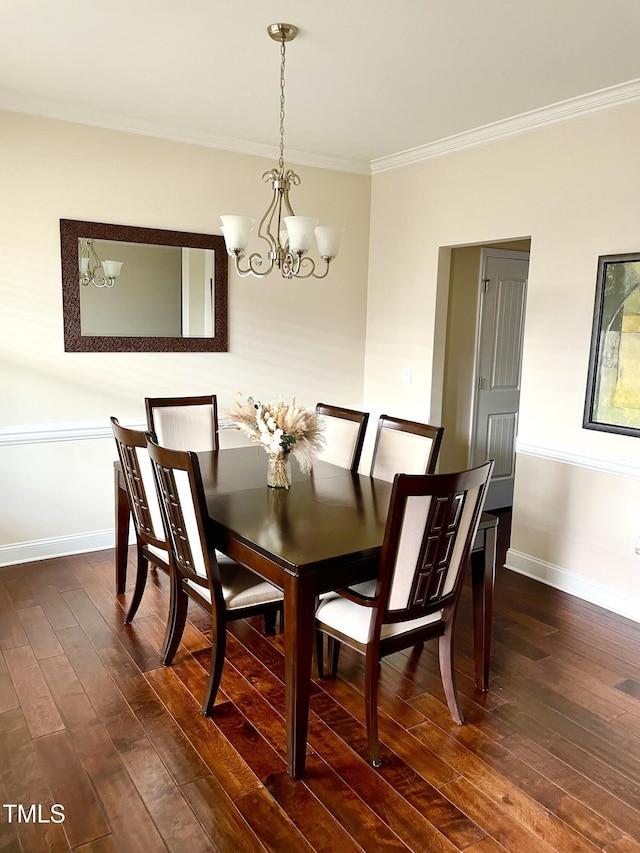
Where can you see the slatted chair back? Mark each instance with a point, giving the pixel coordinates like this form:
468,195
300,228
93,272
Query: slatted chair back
405,447
184,423
431,526
140,484
344,431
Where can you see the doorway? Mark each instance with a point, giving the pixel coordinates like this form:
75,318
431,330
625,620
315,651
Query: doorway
483,355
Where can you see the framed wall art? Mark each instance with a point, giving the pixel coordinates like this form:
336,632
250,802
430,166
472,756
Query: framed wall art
613,385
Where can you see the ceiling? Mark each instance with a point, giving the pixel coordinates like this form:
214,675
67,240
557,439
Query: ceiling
366,79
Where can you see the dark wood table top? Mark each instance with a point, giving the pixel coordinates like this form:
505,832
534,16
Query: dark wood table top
327,517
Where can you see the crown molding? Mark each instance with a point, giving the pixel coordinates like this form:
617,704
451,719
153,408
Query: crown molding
603,99
62,111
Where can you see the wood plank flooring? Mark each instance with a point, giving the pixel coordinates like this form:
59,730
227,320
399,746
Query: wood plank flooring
548,760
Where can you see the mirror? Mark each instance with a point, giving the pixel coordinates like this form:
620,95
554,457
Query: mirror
129,289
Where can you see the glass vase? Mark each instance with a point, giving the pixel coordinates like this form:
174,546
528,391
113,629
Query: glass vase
279,471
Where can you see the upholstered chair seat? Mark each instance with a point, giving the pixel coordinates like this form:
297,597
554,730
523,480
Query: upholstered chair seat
354,620
240,587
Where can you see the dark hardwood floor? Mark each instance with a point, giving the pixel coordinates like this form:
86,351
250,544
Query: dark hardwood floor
549,759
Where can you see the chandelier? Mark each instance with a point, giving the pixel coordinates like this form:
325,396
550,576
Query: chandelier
288,237
93,270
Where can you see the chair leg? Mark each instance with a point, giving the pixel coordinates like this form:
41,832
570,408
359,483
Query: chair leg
320,653
141,581
333,652
218,651
178,606
371,705
447,673
269,618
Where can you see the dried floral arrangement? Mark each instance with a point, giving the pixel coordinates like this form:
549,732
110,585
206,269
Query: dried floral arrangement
281,428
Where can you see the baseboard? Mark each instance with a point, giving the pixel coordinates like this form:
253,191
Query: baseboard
56,546
584,589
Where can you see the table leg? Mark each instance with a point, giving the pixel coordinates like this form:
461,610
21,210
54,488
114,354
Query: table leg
299,614
122,532
483,569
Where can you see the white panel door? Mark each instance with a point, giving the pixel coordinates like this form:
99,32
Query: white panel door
498,368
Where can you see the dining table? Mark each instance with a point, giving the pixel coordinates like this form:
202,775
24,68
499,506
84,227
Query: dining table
323,533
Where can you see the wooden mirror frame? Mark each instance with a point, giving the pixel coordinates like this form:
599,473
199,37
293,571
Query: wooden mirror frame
72,230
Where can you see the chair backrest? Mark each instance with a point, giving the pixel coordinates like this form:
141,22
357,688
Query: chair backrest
183,505
405,447
344,431
431,525
183,423
140,484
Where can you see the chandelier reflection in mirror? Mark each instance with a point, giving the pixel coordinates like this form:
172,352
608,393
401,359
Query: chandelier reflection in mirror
93,270
289,237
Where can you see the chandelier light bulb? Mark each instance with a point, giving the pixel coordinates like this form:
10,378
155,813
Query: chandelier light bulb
236,231
300,230
328,239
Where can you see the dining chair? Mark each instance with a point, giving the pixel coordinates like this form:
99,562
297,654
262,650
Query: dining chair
224,588
431,524
183,423
151,546
404,447
344,431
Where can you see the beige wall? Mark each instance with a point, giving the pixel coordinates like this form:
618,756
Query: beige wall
573,188
305,338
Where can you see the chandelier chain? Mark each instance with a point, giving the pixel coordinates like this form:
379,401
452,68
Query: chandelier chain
282,64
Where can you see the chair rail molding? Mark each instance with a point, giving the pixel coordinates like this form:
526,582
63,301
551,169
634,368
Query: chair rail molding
79,431
609,463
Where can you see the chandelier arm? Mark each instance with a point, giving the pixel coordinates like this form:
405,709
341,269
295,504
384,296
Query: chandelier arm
254,262
286,265
326,272
302,262
264,229
103,281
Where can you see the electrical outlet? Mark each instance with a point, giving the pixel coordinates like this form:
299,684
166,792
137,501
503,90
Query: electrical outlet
406,376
